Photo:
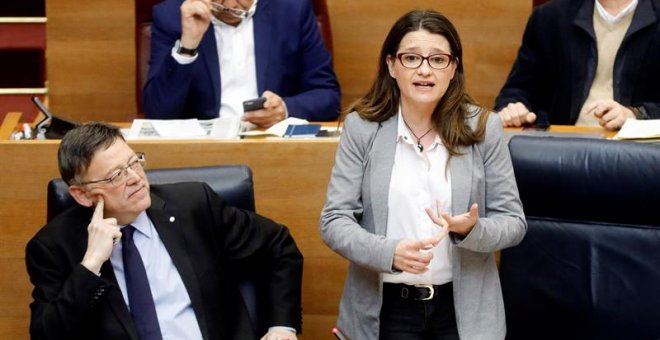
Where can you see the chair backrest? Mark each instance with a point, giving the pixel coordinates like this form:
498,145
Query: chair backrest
231,182
589,266
143,19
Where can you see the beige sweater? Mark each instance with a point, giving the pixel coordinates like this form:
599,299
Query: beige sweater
608,40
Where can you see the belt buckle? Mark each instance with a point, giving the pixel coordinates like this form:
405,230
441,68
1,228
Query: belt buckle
430,289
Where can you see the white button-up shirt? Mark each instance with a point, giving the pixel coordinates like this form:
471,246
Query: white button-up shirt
418,180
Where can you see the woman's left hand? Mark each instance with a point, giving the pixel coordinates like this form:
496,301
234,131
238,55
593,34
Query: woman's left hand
460,224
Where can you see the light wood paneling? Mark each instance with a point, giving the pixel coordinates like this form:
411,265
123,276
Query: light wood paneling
490,32
91,59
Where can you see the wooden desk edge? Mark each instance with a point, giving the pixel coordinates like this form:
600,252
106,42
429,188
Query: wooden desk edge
12,120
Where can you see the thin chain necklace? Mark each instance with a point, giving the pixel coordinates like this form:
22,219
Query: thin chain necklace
420,147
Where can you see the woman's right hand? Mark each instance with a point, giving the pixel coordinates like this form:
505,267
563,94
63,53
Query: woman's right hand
414,256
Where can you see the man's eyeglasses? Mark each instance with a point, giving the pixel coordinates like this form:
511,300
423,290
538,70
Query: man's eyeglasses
120,176
438,61
219,8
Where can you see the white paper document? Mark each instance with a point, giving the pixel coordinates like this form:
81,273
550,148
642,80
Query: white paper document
218,128
276,130
639,129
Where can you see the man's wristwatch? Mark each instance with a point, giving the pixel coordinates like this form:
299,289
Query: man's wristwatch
186,51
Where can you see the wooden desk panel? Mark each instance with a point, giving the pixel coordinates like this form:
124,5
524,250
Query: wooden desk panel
290,180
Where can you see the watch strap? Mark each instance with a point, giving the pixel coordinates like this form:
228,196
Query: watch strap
187,51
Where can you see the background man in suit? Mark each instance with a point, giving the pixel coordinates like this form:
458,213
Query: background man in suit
586,62
188,240
207,57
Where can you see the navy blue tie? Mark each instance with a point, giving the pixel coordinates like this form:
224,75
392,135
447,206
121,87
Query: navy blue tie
140,299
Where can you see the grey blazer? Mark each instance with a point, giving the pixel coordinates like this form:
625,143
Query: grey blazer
354,220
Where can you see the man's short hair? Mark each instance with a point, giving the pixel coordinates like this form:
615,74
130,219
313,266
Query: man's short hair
79,146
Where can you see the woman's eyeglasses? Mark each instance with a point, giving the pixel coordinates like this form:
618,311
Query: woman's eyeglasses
438,61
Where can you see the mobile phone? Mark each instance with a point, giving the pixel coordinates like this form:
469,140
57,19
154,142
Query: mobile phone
254,104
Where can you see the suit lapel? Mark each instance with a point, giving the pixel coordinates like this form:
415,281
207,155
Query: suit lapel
209,53
644,16
262,39
171,232
641,38
116,301
382,160
461,180
582,50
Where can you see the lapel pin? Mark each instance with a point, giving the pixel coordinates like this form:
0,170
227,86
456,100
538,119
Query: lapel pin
172,218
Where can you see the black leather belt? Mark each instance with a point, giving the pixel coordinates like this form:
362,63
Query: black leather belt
416,292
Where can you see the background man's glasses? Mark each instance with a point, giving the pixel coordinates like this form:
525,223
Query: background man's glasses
120,176
219,8
438,61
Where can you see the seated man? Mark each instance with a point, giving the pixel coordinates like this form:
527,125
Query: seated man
586,62
151,262
207,57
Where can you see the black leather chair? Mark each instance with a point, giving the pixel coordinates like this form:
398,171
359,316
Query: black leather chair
231,182
589,266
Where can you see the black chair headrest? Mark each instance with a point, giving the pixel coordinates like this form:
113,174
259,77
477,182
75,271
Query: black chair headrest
588,179
231,182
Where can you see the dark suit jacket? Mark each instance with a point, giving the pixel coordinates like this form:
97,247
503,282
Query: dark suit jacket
291,61
206,240
557,62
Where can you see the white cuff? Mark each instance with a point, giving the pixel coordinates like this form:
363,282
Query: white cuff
182,59
282,328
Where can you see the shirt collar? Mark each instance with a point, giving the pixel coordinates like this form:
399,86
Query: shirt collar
613,19
142,223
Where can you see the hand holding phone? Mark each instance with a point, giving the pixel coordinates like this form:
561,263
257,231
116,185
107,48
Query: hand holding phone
264,112
254,104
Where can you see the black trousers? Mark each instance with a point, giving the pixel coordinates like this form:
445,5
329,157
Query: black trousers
405,315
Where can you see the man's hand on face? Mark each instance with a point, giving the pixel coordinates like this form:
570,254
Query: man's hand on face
195,20
102,234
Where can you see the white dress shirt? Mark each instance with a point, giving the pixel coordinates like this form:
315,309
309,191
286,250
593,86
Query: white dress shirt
235,46
418,180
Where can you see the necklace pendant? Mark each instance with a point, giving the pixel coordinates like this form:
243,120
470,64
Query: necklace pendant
420,147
